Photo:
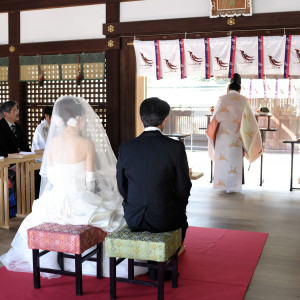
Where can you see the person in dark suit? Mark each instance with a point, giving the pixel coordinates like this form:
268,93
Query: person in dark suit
153,175
12,138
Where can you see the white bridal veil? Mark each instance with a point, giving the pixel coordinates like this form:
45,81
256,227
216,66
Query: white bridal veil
76,112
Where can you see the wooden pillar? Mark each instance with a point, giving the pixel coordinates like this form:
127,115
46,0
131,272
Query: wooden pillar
13,39
14,83
127,90
113,81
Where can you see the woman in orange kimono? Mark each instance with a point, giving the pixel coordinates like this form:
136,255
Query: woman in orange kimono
232,134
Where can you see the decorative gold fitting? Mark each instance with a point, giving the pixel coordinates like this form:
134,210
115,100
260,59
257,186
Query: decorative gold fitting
12,49
110,28
110,43
231,21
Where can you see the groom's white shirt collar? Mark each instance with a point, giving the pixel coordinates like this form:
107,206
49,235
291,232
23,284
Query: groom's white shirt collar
152,128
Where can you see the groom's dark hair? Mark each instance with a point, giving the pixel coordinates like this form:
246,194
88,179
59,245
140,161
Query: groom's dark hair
153,111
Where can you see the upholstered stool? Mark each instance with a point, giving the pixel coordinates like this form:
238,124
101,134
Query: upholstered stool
71,239
159,247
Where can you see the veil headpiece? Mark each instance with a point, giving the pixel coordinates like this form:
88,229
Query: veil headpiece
77,114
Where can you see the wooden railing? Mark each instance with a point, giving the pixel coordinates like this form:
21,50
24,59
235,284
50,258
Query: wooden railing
25,185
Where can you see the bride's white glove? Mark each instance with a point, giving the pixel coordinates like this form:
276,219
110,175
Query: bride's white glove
90,181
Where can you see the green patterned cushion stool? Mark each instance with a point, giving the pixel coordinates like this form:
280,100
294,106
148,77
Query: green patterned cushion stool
159,247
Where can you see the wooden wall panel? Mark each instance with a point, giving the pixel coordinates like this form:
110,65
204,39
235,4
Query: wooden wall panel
113,81
112,89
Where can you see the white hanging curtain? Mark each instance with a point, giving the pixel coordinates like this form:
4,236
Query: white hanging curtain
194,52
145,58
295,88
274,55
245,91
170,59
284,88
270,88
219,56
258,88
246,57
294,63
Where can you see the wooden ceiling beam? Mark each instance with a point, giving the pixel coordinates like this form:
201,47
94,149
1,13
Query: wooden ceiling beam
78,46
206,24
21,5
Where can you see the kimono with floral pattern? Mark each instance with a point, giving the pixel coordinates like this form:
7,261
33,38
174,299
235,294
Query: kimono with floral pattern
232,134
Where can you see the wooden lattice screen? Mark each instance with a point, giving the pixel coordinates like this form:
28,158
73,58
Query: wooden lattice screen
4,92
94,91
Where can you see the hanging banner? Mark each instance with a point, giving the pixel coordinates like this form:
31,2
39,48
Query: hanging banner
295,88
194,50
246,58
220,56
170,59
258,88
283,88
245,88
145,58
270,88
274,51
294,61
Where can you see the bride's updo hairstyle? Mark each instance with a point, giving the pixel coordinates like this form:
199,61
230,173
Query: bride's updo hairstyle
69,108
235,82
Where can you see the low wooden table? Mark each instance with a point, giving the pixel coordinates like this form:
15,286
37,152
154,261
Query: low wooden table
266,115
263,138
292,142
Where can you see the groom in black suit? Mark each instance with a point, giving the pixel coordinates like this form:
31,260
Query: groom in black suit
153,175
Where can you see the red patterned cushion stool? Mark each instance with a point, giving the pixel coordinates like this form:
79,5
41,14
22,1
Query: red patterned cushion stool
71,239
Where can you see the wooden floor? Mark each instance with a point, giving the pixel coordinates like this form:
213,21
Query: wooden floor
262,209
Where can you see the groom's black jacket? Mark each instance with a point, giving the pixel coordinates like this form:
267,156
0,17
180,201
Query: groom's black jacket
153,178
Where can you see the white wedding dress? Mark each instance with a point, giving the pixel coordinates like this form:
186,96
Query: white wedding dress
68,202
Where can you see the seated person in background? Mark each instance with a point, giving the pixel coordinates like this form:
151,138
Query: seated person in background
153,176
41,132
12,138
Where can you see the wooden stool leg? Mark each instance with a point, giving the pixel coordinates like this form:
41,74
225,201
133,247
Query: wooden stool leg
175,271
112,272
99,261
36,268
78,271
160,281
60,260
130,269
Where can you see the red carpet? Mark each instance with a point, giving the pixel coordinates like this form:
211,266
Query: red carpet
217,265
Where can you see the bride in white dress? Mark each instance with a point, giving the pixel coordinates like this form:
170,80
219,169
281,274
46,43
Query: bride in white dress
78,186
